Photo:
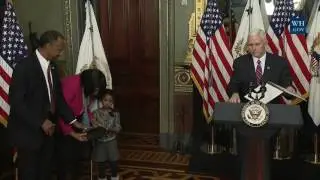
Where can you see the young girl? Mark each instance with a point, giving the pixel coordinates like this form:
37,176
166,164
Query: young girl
105,149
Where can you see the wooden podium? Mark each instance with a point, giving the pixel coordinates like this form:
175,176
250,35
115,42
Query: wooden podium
254,142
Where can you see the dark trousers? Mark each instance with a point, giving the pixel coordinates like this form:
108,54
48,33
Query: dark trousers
70,153
36,164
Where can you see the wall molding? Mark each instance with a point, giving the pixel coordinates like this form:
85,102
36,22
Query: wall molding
182,78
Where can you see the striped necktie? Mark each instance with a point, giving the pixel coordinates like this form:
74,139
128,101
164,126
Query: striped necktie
51,91
259,72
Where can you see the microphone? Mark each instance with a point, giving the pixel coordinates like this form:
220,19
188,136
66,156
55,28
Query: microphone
263,88
251,86
251,89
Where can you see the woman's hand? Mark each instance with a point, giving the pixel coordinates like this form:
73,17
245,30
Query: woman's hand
79,136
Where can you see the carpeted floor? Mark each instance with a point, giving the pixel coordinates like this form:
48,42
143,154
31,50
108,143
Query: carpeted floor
143,159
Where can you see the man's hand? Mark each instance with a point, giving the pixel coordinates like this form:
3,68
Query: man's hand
48,127
235,98
79,136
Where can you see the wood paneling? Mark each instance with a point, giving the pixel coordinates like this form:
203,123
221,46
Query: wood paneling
130,34
183,113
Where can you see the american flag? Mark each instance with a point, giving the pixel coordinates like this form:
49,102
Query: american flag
12,49
291,46
211,66
279,20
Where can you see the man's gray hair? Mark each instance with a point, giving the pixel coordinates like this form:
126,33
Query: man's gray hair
259,32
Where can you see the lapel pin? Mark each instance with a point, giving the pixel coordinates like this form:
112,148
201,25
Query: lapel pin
268,67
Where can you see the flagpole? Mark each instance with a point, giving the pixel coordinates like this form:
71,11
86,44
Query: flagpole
233,149
91,33
250,13
284,35
230,23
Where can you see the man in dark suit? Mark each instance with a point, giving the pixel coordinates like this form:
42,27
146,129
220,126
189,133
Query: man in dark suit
253,69
36,101
274,68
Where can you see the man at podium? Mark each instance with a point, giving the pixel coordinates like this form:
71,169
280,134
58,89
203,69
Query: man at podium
251,70
256,67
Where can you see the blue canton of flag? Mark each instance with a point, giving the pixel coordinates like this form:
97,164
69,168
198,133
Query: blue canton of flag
211,19
281,16
13,47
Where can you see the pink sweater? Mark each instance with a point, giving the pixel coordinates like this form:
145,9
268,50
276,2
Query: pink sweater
72,91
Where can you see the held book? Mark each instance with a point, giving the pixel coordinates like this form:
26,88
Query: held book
272,91
94,133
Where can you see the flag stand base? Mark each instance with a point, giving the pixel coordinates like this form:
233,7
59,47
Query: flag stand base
211,148
278,155
178,147
314,158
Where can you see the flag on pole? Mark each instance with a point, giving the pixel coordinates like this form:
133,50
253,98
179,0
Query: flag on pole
251,19
91,53
313,42
279,20
211,66
296,53
12,49
291,46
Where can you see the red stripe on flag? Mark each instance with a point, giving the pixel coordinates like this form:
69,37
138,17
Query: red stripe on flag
5,76
216,66
302,39
298,57
296,80
201,43
197,79
211,67
272,45
301,65
198,59
225,38
222,55
3,114
4,95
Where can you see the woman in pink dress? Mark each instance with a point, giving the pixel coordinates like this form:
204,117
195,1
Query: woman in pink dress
80,92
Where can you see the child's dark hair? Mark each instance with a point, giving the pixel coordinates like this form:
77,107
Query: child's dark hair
105,92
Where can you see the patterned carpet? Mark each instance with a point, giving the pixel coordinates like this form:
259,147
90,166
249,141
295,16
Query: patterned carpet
143,159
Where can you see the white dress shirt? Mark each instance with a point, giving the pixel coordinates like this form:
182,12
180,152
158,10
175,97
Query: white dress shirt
44,66
262,60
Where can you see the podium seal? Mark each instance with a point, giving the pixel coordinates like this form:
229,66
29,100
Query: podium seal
255,113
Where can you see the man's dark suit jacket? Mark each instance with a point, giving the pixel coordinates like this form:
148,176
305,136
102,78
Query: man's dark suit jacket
276,70
30,105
